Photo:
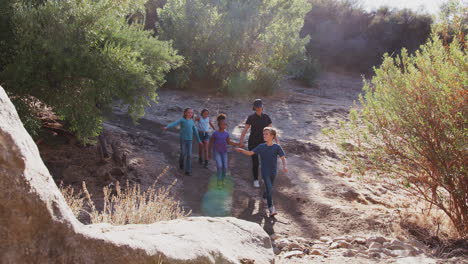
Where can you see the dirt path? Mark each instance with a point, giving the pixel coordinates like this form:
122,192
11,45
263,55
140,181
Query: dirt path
312,200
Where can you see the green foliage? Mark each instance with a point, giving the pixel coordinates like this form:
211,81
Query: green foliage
25,109
304,69
453,19
80,56
258,81
343,35
6,32
238,84
151,15
412,126
223,39
265,80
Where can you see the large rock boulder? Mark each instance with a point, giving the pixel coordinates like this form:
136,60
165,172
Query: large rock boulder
37,226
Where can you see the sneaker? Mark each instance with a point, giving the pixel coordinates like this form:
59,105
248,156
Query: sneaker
200,160
206,164
188,173
256,184
272,211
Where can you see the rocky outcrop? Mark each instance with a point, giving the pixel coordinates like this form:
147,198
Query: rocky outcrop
373,247
37,226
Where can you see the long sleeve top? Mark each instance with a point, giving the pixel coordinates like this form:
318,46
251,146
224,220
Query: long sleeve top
187,129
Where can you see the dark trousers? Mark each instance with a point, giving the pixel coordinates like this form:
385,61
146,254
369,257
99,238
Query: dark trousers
255,161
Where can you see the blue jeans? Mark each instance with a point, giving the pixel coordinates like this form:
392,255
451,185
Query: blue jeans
221,164
185,158
268,180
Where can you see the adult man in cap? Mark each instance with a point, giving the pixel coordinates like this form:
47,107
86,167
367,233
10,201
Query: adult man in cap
256,122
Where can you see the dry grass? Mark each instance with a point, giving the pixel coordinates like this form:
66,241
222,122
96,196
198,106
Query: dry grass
131,205
418,219
74,200
127,205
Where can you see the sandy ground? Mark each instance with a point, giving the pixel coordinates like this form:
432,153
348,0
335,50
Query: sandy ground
313,200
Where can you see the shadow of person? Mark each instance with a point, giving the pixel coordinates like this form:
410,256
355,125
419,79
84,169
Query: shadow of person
269,224
258,216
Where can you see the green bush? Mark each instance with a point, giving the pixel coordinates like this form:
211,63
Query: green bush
222,39
78,57
179,78
260,80
238,84
25,109
344,35
304,69
265,80
412,126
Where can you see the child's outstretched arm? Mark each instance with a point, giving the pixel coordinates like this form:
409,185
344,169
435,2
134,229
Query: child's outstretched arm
173,124
283,160
245,152
232,143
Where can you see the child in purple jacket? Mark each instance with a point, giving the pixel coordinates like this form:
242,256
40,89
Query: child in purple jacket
218,145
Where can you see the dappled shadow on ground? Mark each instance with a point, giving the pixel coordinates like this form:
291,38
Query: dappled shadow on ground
193,187
298,214
299,114
293,213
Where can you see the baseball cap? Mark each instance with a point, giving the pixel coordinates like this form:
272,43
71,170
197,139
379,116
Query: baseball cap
257,103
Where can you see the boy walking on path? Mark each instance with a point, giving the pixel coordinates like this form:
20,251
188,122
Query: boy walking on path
269,153
256,122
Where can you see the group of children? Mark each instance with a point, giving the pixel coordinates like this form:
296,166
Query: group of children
215,145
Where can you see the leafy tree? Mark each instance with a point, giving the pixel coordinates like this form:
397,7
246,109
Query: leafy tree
344,35
304,68
6,32
453,19
412,126
221,39
151,15
78,57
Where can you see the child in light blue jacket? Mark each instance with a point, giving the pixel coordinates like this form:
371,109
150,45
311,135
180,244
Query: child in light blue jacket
187,130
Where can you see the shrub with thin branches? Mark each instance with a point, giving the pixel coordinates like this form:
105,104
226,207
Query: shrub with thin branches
411,128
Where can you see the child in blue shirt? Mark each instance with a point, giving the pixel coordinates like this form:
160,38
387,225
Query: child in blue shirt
203,125
187,130
268,153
